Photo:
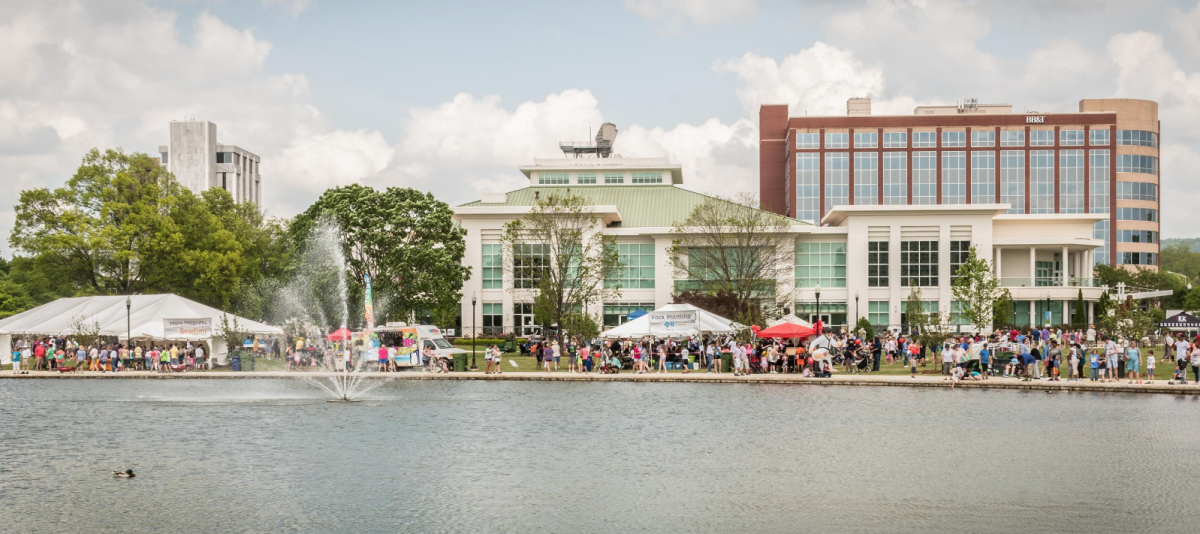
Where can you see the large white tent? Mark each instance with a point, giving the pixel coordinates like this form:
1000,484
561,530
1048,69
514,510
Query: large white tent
710,323
108,313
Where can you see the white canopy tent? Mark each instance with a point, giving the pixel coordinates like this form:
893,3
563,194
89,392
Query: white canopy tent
710,323
108,314
791,318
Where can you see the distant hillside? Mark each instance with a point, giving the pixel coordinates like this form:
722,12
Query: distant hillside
1192,243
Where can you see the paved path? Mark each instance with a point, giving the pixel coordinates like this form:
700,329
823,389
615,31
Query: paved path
1160,386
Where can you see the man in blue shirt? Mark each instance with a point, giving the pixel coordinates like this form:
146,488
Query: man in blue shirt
984,355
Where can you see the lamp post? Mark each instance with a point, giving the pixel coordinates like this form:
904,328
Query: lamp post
1048,314
473,366
856,316
818,293
128,322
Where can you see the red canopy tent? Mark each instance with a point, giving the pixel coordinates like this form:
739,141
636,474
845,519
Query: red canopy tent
339,335
787,330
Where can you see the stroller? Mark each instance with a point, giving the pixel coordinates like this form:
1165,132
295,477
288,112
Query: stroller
862,360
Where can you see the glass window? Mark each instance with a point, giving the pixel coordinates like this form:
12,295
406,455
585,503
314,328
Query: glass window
1137,138
823,263
164,157
877,264
895,178
614,177
1137,214
983,138
866,139
492,267
954,177
1041,181
523,318
553,178
895,139
957,315
493,318
1099,137
866,178
1100,231
837,140
1012,138
586,178
877,313
530,262
1041,138
808,184
808,140
954,139
837,180
1137,258
919,263
1099,178
924,178
924,140
1136,163
1137,236
1070,179
1070,137
1012,180
617,313
637,266
647,178
834,312
959,250
1137,191
983,177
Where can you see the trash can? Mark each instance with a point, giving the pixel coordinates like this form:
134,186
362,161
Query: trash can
460,363
726,362
235,363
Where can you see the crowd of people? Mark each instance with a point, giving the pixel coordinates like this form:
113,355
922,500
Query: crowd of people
65,355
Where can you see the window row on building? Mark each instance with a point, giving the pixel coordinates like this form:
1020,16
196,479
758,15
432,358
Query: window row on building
955,167
979,138
1137,236
592,178
1137,191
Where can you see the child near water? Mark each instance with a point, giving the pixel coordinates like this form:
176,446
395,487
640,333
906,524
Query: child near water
912,362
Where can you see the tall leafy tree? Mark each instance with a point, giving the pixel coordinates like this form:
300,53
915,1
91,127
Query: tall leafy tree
404,239
977,289
560,256
108,228
728,246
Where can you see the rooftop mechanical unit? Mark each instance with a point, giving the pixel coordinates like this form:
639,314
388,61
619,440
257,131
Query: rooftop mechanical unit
602,148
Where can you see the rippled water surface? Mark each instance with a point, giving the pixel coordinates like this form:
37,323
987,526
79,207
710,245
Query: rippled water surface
273,456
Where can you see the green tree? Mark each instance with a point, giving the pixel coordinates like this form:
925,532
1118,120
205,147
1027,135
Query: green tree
1079,320
13,298
1191,301
1127,320
108,229
1002,310
1181,258
558,250
404,239
865,325
977,289
732,247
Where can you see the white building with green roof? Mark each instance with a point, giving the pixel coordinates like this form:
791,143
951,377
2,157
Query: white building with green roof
862,258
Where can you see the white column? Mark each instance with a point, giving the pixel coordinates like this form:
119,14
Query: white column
999,253
1032,267
1065,263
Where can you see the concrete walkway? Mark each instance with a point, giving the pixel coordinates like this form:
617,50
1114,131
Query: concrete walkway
1159,386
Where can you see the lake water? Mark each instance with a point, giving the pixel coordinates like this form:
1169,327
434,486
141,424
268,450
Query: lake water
441,456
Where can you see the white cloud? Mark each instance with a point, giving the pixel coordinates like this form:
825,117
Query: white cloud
703,12
80,75
1185,28
291,7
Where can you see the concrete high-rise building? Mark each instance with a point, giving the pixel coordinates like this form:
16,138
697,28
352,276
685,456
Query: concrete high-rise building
1101,160
199,162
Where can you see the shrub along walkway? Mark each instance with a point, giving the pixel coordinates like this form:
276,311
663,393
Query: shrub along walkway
839,379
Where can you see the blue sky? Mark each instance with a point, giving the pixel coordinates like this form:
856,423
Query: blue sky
452,97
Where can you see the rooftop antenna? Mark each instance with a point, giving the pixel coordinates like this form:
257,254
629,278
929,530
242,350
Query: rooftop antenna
602,148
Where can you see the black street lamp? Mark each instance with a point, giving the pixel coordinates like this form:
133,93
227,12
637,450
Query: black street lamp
128,322
818,292
856,316
473,366
1049,314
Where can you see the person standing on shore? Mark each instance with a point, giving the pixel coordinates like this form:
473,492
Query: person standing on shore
1195,365
710,351
548,356
1133,363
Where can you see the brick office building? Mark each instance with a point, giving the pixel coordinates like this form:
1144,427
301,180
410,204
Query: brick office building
1101,160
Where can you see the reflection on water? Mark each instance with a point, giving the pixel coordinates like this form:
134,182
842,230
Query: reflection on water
421,456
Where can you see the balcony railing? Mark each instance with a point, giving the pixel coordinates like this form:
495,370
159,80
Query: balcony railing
1042,281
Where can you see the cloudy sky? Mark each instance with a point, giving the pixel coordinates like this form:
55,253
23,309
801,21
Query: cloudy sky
452,97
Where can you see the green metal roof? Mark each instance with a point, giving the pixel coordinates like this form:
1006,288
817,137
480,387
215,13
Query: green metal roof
640,205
